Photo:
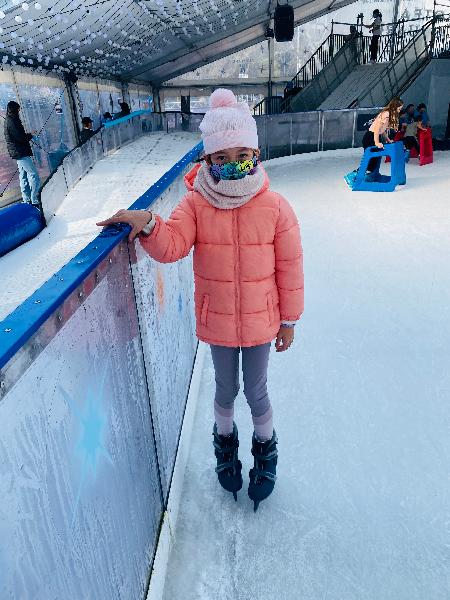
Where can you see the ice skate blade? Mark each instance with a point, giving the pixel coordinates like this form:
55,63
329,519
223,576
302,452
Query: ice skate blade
235,496
255,505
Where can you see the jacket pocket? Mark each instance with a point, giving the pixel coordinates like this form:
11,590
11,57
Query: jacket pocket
270,308
204,311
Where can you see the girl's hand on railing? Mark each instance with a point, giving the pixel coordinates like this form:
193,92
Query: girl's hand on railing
379,145
138,219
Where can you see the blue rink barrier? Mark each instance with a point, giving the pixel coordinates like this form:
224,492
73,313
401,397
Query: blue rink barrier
95,369
375,182
18,224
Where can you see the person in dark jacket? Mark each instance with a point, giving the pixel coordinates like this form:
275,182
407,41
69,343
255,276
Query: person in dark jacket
124,110
87,132
19,148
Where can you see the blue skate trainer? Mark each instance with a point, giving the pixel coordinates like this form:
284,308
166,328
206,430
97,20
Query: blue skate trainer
361,180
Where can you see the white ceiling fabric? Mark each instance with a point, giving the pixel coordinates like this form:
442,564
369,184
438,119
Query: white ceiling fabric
136,40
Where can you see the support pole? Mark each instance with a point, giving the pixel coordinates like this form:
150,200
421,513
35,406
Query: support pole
74,103
156,100
394,32
270,42
433,30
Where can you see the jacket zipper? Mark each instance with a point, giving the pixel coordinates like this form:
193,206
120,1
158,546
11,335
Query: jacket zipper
237,275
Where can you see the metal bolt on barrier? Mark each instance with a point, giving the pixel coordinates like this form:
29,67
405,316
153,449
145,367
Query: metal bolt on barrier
37,301
8,330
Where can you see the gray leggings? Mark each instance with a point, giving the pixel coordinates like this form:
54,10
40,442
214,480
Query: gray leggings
255,361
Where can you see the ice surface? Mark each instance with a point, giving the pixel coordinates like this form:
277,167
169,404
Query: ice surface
361,507
114,182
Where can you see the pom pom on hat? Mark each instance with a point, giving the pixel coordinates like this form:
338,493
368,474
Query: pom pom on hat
222,97
228,123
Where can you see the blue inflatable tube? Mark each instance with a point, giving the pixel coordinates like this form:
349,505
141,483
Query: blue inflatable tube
18,224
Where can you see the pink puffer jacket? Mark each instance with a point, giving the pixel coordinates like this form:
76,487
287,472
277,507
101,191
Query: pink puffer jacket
247,264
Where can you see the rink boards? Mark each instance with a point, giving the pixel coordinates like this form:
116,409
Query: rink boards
94,372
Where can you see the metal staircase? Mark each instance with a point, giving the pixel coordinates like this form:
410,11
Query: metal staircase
316,63
431,41
401,57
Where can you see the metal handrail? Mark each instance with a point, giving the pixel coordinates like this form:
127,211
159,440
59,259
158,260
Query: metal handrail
388,24
390,45
321,57
312,67
394,83
432,40
316,63
441,38
269,105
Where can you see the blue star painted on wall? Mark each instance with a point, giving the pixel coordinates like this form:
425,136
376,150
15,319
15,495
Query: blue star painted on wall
92,421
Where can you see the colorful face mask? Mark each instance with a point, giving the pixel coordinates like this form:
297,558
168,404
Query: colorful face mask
234,170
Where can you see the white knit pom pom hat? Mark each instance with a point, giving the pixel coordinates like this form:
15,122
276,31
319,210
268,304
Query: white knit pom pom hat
228,123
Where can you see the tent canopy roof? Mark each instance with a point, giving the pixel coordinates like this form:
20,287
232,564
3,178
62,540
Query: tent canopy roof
137,40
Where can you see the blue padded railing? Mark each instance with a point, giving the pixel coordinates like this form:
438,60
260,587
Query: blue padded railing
136,113
18,327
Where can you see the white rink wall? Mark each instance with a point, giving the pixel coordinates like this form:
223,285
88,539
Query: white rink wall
95,369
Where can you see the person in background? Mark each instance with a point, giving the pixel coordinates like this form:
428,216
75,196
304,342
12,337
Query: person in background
124,110
387,119
422,111
107,116
375,28
352,37
410,140
354,34
19,148
407,116
87,132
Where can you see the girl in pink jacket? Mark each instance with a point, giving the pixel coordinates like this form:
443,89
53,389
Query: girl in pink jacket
248,277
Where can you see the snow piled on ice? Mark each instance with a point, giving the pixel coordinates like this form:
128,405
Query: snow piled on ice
114,182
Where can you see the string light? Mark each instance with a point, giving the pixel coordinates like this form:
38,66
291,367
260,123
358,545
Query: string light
154,30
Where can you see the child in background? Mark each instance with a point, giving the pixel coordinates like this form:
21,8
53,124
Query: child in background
248,278
407,116
410,140
422,111
387,119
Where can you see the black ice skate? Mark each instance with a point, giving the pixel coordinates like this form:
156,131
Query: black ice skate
229,467
263,474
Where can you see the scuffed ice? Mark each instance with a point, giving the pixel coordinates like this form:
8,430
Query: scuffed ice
361,507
